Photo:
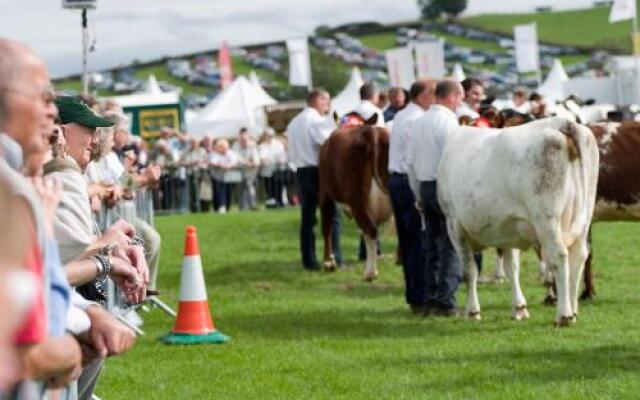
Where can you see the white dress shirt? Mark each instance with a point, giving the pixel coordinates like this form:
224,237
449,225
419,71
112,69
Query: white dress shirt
464,109
307,131
426,141
399,134
366,109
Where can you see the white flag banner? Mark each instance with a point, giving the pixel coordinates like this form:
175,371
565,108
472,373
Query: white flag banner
622,10
527,56
430,59
299,62
401,67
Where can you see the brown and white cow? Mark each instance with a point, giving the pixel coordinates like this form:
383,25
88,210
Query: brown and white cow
352,171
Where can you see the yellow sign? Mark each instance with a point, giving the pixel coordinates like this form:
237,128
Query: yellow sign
636,43
151,121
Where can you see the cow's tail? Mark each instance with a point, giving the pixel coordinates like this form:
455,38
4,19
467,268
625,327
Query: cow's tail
578,152
375,152
570,130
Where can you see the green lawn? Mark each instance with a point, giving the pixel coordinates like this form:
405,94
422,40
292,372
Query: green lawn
306,335
586,28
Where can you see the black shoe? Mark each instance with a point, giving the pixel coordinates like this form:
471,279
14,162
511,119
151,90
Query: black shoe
417,308
447,311
430,309
312,267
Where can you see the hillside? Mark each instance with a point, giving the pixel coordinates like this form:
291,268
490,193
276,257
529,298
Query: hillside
588,29
584,29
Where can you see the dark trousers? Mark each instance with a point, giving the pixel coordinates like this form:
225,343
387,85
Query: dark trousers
221,195
441,255
410,239
307,182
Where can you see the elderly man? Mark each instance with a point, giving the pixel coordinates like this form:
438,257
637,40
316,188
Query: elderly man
26,117
408,221
306,133
426,143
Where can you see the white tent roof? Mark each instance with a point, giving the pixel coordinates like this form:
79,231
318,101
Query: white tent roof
349,97
151,96
152,86
458,73
262,95
551,88
241,104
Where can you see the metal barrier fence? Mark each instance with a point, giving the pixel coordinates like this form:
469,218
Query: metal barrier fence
228,188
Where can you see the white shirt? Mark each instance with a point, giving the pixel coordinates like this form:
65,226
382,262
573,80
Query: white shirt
226,160
464,109
427,139
399,134
366,109
307,131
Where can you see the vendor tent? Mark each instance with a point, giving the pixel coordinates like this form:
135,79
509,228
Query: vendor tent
240,105
551,88
152,109
458,73
349,97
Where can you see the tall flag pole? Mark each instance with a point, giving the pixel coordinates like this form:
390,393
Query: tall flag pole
225,65
623,10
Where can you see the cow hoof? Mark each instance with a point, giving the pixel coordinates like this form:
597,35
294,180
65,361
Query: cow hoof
549,300
520,313
587,295
474,316
370,277
329,266
566,321
499,279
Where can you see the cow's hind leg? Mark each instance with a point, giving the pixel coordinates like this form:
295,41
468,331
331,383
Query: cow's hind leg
557,258
499,274
512,259
371,270
327,210
578,253
589,287
370,233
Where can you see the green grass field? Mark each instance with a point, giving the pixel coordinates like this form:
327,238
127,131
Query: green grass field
588,28
297,334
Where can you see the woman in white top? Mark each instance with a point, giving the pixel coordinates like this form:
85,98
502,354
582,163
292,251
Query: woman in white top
272,153
222,160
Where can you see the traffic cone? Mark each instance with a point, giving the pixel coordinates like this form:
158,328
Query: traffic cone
193,323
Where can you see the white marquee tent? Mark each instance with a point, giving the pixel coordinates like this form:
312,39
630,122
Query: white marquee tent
239,105
551,88
457,72
349,97
150,96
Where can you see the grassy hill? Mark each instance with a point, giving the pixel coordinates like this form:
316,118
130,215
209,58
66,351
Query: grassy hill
588,29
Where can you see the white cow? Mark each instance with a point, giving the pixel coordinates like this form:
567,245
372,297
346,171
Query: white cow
531,185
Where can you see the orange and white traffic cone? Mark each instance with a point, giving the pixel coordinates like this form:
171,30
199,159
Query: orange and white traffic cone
193,323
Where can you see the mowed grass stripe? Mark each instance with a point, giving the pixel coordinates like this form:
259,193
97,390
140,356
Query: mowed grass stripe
297,334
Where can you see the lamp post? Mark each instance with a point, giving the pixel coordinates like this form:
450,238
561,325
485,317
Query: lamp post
83,5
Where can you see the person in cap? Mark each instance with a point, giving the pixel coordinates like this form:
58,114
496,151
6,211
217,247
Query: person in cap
74,231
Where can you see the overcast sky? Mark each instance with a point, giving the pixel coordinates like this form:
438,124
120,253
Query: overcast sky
124,30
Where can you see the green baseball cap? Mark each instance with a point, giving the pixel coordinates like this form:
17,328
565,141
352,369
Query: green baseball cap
72,109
